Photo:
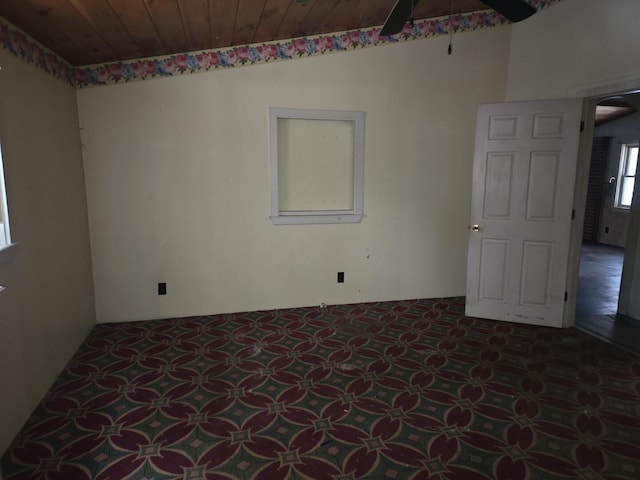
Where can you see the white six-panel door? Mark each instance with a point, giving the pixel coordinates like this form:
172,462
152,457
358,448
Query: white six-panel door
522,200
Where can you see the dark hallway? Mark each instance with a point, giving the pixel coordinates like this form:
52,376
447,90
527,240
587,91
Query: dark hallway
598,291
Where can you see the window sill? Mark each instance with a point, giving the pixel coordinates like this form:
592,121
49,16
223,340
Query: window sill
315,219
7,253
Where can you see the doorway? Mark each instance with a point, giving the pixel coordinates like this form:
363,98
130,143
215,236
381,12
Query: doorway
606,221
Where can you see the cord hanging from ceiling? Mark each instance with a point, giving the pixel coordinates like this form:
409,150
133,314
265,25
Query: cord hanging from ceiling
411,19
450,49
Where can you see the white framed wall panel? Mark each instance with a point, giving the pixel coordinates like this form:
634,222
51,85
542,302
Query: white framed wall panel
316,161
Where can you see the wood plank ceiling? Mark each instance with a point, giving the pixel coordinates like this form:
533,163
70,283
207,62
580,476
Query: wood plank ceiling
85,32
616,107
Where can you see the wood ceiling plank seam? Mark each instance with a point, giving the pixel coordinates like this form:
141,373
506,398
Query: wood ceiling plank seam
353,17
246,22
355,20
93,29
270,20
69,20
18,13
320,9
338,14
253,34
183,21
375,15
196,15
297,12
282,20
325,25
162,14
155,27
124,26
209,3
223,14
100,15
133,14
211,32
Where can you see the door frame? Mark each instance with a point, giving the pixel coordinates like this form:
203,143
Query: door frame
591,96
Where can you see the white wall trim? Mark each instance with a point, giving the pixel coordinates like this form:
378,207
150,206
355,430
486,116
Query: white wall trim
610,86
353,215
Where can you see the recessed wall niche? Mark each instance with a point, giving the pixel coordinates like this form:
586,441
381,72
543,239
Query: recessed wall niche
316,165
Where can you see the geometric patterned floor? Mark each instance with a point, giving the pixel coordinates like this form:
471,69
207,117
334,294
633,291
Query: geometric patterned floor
388,390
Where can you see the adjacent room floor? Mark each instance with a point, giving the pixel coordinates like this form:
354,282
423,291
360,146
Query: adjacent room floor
598,292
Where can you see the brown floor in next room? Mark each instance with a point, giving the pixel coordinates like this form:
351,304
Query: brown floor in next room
598,291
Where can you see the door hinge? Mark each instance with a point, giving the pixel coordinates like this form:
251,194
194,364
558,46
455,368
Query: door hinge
566,296
573,214
582,126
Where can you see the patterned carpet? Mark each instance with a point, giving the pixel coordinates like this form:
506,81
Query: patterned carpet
391,390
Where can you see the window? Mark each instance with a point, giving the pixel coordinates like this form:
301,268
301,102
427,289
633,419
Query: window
5,236
627,175
316,166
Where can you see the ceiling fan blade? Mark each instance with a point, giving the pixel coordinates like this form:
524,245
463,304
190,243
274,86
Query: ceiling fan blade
398,17
512,10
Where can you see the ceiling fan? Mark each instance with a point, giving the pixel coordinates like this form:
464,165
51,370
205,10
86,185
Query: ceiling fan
512,10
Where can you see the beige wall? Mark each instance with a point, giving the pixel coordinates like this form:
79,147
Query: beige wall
573,46
47,308
177,175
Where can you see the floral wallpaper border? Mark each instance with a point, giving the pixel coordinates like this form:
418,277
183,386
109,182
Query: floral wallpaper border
24,47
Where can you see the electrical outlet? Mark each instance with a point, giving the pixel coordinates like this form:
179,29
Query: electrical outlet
162,288
340,277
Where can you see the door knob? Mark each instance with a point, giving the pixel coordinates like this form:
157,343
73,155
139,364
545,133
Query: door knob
475,228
